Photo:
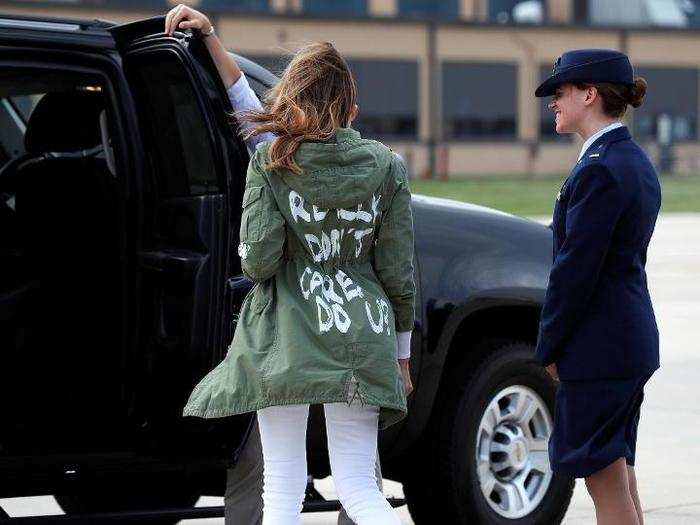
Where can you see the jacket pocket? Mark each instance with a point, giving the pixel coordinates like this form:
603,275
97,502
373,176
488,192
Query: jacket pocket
252,218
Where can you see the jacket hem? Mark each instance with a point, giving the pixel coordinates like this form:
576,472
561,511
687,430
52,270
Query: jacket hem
385,421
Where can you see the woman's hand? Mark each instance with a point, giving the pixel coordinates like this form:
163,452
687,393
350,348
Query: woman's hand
183,17
404,364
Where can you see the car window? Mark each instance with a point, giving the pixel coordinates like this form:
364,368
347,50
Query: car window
174,124
25,104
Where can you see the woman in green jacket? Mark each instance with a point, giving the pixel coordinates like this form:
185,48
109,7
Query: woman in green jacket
326,234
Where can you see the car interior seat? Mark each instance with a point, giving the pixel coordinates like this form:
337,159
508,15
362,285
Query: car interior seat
66,205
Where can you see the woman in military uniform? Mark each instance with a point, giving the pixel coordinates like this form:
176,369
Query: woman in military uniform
598,334
326,234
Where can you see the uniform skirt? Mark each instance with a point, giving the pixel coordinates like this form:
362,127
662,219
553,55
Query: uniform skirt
595,423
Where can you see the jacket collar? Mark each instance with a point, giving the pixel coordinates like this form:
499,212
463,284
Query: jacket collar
615,135
344,134
339,136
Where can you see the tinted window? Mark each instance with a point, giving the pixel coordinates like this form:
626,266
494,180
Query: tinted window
434,8
174,126
672,92
25,104
273,63
479,100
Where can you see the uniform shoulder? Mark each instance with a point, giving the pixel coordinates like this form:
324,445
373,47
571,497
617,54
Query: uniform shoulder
597,171
623,158
608,157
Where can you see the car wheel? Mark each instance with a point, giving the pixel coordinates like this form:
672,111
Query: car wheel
489,449
127,495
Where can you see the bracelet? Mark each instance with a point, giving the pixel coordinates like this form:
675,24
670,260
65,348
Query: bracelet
211,31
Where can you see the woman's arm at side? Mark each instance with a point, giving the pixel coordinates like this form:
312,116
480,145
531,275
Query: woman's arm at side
595,206
393,257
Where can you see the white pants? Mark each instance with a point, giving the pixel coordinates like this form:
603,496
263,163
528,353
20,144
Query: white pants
352,448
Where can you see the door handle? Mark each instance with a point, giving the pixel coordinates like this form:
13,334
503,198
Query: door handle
239,282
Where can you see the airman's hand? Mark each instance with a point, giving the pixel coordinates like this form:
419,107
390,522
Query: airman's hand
552,370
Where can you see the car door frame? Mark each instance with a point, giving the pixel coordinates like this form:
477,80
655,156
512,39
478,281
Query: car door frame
39,50
230,158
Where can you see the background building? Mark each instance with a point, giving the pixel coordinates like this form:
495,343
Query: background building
450,83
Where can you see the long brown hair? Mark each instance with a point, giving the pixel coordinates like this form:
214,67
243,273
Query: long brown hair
616,96
315,95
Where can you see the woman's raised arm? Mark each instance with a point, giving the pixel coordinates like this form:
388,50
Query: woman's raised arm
184,17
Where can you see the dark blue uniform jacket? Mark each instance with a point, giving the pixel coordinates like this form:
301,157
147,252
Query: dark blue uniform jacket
597,321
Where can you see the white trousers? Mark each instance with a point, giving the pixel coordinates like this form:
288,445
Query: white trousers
352,448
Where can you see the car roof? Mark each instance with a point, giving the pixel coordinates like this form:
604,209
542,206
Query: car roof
50,23
100,33
44,29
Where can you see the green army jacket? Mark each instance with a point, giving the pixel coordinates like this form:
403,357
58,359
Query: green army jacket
331,255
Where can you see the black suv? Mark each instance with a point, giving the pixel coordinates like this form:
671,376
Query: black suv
120,188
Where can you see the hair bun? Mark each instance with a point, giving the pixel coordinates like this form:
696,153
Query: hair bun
637,92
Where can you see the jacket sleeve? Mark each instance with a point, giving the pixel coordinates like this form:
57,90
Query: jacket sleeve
594,208
393,251
262,232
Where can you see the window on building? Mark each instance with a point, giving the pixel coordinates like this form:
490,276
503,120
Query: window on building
387,93
479,100
429,8
547,130
517,11
221,5
665,13
336,7
385,112
236,5
692,12
672,94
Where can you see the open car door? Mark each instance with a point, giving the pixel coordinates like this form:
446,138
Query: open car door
196,166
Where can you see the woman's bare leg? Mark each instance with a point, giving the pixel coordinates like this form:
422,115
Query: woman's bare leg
632,479
609,488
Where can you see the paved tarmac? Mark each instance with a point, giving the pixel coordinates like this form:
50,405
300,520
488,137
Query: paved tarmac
668,450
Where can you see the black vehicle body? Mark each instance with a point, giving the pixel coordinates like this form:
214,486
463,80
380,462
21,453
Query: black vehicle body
113,409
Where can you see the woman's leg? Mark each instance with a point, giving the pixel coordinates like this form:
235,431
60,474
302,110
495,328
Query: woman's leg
343,518
632,481
283,438
609,488
352,447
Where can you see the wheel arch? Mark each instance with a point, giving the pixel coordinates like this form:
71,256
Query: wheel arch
458,344
516,321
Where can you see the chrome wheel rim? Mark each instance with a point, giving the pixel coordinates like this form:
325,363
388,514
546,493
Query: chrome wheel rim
511,451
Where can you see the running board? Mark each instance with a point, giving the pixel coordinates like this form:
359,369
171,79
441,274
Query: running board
184,513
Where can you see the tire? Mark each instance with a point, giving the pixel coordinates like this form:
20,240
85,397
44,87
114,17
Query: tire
502,404
123,495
